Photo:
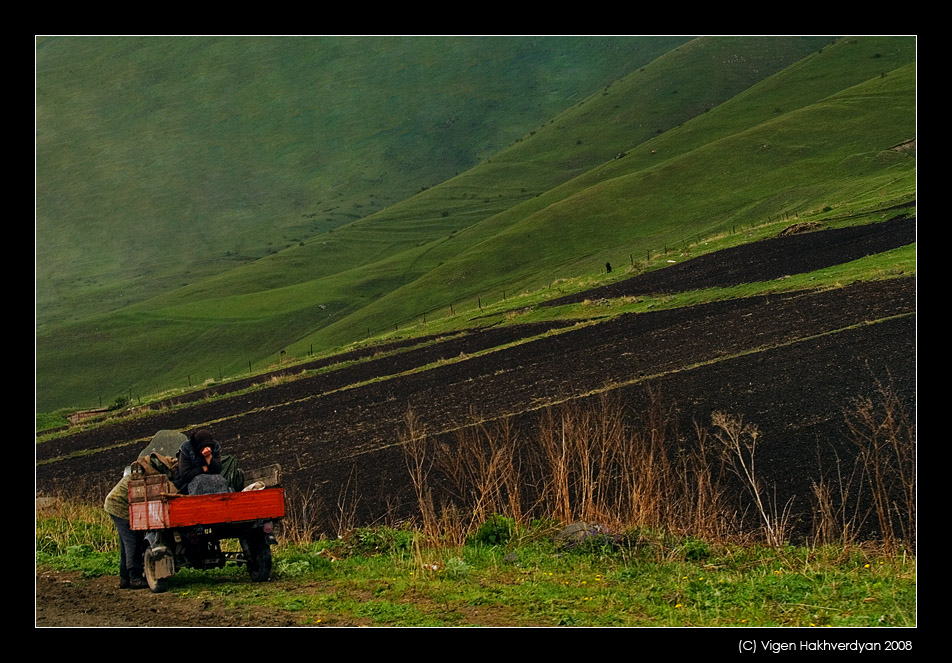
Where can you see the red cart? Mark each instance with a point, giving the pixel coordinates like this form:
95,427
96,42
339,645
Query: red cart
187,530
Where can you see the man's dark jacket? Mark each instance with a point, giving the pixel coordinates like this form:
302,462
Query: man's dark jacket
191,462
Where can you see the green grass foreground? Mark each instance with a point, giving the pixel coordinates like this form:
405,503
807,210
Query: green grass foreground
391,577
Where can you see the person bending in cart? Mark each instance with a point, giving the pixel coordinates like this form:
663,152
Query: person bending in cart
199,465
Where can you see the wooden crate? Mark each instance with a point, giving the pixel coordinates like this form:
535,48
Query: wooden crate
148,508
148,488
270,475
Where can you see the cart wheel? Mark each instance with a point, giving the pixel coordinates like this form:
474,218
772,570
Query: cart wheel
157,585
259,559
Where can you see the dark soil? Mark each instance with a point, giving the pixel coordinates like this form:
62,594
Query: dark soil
141,428
68,599
788,363
765,260
443,349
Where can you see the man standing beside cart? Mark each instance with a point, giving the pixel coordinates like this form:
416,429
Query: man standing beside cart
131,543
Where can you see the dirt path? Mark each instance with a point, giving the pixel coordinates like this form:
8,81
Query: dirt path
67,599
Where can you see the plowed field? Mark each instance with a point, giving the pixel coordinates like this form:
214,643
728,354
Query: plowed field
789,363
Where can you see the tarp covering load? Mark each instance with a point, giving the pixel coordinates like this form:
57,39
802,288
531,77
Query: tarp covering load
165,442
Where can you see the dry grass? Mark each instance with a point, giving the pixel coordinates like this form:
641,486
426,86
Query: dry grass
739,446
304,510
877,490
838,517
581,463
419,464
884,434
594,461
64,522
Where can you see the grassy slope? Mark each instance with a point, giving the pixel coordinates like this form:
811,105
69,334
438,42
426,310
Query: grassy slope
570,144
734,168
212,326
161,161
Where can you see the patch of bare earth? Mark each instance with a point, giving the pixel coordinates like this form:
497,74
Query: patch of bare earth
68,599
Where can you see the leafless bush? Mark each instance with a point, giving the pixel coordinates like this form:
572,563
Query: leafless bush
453,525
419,463
838,517
304,510
878,489
473,466
596,461
705,510
739,442
556,444
347,503
584,462
648,468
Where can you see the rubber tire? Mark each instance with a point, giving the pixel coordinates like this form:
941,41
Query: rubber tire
157,585
259,560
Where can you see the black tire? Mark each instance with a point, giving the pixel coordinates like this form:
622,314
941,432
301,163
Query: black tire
157,585
259,559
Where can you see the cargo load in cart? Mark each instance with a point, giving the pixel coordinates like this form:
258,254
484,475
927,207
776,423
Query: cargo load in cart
186,531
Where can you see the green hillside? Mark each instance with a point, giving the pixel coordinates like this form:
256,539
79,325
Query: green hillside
163,160
736,165
713,134
682,84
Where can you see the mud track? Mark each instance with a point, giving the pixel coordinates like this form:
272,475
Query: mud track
67,599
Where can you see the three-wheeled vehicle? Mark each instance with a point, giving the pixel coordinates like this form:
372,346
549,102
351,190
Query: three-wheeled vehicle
187,530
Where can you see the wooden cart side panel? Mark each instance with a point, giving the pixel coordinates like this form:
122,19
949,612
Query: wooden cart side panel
225,507
149,515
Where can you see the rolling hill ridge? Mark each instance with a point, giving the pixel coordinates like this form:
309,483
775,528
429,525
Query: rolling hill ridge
713,135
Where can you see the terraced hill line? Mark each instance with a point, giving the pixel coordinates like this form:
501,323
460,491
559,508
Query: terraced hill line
313,436
140,428
765,260
441,343
137,430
